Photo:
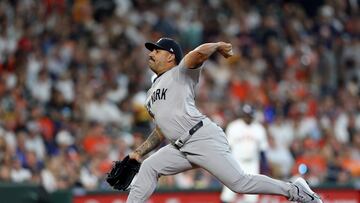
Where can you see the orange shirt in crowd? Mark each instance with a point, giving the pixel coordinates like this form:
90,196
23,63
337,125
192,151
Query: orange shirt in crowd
240,90
315,163
352,165
93,143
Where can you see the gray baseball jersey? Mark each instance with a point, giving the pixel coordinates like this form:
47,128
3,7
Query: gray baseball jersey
171,101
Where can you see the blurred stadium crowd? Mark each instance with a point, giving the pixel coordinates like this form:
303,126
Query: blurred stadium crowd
74,75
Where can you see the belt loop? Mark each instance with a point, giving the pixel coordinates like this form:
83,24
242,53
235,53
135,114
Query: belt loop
196,127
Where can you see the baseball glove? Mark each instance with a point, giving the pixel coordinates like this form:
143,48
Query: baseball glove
122,173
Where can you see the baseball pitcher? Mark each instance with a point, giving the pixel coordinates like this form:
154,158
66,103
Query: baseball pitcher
195,140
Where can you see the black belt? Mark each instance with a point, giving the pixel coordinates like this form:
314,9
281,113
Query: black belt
181,141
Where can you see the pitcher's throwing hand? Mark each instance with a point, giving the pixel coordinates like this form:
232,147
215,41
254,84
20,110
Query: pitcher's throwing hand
225,49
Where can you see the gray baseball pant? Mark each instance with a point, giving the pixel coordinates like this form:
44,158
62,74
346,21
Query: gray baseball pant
207,148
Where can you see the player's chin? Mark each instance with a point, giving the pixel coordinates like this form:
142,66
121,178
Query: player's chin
152,68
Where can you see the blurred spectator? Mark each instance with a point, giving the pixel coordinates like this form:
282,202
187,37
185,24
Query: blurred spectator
90,175
5,174
185,180
41,87
49,175
34,142
96,140
18,173
280,159
102,110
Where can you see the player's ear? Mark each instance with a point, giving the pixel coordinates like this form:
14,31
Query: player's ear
171,57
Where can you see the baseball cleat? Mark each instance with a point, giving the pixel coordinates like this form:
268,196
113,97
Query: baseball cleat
302,193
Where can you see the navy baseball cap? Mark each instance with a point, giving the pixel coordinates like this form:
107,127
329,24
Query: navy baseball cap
167,44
